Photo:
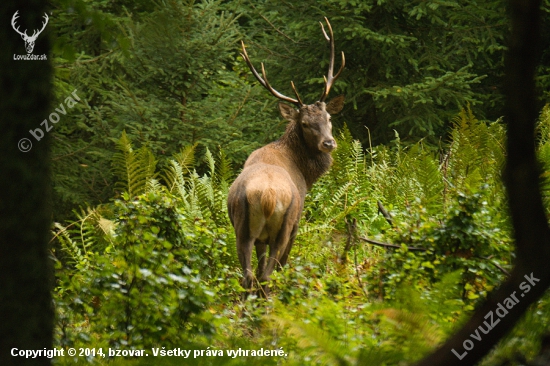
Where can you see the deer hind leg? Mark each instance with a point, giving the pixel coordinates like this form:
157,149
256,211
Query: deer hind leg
277,248
284,257
261,249
237,203
244,251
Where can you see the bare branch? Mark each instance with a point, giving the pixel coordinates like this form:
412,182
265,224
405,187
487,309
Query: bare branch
502,269
277,29
386,245
385,213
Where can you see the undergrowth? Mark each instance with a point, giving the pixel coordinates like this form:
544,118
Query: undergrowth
157,266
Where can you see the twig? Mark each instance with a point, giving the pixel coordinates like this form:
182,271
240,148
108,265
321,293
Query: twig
385,213
71,153
365,291
276,29
374,242
79,61
352,242
386,245
502,269
239,108
351,227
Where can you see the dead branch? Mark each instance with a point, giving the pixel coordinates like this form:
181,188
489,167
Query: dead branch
379,243
502,269
385,213
351,228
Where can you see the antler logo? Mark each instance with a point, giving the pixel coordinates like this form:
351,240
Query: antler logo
29,41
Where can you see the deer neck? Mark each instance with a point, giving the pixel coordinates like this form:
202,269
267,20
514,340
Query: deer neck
311,163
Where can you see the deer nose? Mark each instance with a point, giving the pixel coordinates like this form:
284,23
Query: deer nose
329,144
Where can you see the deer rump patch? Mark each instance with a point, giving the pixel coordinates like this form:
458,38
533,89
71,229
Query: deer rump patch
269,192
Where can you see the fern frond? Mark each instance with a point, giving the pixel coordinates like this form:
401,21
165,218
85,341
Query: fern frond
193,207
317,344
91,232
186,157
173,176
153,185
133,168
224,171
68,245
179,167
476,153
210,161
313,227
430,180
120,159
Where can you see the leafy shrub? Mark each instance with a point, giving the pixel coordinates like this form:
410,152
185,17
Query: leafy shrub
151,271
467,239
154,281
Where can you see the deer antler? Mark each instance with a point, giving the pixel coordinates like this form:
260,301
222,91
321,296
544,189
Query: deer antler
13,19
35,34
24,34
265,83
331,78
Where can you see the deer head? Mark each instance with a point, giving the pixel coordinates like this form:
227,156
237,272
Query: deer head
314,123
29,40
313,119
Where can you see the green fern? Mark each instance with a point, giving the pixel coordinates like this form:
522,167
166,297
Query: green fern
189,195
133,168
204,196
181,165
342,193
212,188
90,232
224,171
314,343
70,246
473,158
476,153
425,176
153,186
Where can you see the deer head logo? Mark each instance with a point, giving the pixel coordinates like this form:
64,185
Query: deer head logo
29,41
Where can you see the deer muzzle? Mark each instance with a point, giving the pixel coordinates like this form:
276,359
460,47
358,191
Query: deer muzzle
328,145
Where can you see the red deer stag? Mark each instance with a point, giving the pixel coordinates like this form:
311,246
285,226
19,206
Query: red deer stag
266,200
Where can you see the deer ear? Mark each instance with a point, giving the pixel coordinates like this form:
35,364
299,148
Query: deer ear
288,113
335,105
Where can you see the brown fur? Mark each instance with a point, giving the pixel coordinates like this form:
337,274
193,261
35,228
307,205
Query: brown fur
266,200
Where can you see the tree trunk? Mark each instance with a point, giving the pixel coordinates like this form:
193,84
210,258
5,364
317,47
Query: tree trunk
25,96
531,231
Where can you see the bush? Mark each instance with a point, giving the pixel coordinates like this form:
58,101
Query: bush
153,281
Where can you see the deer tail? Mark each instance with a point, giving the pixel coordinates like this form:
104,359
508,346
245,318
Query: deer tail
268,202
